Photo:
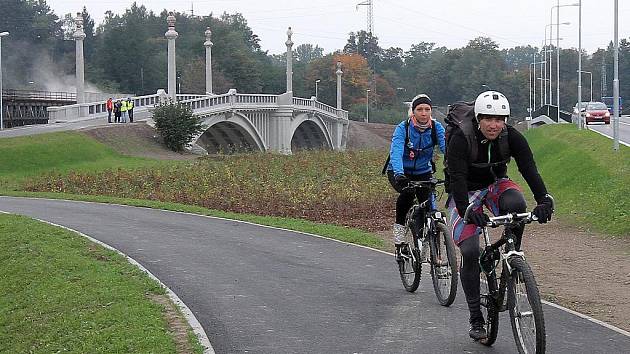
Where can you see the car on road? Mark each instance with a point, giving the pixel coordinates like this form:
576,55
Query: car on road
594,112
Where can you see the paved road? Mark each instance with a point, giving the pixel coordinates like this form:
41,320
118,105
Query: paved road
52,127
262,290
607,130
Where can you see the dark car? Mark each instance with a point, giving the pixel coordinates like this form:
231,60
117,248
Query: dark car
596,112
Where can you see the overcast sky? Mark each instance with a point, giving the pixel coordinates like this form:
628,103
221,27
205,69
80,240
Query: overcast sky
397,23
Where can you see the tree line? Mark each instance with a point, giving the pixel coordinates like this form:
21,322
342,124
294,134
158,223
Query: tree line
128,53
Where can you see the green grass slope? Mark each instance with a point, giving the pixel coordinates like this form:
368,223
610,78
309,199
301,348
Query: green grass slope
590,181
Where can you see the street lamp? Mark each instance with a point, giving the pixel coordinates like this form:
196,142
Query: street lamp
486,87
558,6
367,105
579,124
3,34
616,82
591,76
547,57
316,82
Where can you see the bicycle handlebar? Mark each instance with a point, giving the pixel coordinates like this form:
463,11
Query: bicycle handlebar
510,218
433,182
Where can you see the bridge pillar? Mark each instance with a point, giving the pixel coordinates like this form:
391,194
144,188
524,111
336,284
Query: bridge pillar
280,125
79,36
208,45
171,34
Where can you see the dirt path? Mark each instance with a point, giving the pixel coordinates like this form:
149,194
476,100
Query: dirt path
575,268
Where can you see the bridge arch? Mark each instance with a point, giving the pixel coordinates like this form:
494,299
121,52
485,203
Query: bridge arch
229,132
308,132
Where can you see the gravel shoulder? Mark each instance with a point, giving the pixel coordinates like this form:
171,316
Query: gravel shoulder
575,268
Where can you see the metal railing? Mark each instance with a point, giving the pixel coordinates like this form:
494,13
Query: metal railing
38,95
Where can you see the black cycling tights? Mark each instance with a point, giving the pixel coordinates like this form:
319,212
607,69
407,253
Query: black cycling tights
510,201
405,199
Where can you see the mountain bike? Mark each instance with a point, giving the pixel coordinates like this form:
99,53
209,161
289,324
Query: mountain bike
428,241
514,289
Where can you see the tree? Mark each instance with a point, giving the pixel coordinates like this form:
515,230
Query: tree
176,124
366,45
305,53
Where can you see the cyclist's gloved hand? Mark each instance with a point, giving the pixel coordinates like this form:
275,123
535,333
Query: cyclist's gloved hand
401,180
480,219
544,209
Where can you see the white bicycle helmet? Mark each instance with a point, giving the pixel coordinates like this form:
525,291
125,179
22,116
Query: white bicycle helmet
492,103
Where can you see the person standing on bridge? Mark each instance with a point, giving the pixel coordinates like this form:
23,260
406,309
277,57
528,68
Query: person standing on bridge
117,113
124,107
482,180
110,107
411,157
130,109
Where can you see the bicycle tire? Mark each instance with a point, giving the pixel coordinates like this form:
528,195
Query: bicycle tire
444,276
528,327
410,270
489,308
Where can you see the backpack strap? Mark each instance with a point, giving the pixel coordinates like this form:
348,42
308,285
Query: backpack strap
406,143
434,133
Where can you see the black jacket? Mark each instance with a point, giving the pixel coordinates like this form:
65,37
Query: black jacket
465,178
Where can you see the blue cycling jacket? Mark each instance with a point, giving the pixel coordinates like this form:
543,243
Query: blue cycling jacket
401,160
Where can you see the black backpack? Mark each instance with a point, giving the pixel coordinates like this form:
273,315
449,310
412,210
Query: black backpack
434,141
461,115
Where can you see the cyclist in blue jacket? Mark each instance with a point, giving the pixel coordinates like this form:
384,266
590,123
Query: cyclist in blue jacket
411,157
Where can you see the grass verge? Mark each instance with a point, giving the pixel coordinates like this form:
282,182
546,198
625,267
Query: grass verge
590,181
60,292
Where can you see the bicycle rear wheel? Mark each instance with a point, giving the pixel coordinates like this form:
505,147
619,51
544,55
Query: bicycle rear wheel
526,314
489,307
443,265
410,265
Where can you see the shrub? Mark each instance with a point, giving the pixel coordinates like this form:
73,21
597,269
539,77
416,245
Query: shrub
176,124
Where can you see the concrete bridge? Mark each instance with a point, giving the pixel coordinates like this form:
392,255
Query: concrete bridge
240,122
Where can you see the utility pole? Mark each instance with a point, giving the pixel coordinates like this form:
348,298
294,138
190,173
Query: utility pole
370,17
604,84
616,81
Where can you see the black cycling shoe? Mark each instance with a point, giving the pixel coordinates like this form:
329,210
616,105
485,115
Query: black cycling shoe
477,329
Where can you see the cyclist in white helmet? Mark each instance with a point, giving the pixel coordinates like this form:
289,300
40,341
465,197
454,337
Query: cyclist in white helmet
482,180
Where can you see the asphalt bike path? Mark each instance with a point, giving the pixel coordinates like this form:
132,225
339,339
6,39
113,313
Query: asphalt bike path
263,290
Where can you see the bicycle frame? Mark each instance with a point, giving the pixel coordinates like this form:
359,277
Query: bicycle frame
431,215
493,255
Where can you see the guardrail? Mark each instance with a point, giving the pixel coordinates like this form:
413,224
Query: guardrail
38,95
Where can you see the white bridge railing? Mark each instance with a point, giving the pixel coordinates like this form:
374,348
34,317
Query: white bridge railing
199,104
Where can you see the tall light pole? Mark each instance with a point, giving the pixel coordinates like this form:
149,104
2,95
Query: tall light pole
3,34
558,6
367,105
616,82
580,76
547,59
316,82
579,116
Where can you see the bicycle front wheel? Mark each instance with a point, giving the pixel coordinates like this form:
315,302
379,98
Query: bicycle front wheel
526,314
443,265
